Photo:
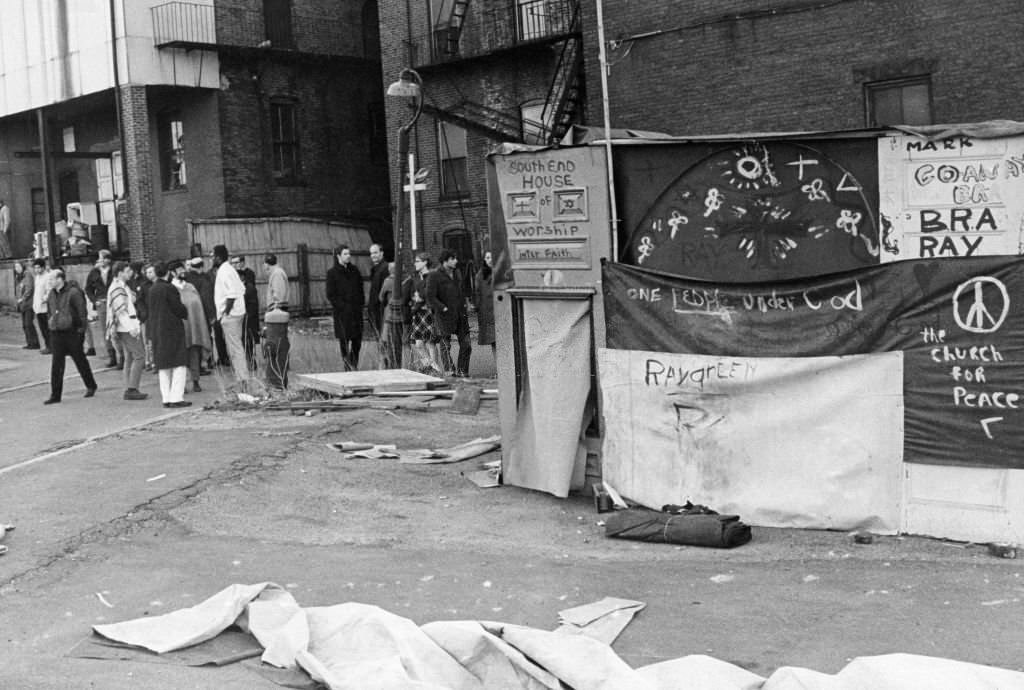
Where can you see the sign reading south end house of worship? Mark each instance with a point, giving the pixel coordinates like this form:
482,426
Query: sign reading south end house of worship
550,204
959,325
955,197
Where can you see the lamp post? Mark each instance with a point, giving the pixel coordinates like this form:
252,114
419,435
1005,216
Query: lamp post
409,85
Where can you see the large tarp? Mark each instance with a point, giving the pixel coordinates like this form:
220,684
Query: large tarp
959,323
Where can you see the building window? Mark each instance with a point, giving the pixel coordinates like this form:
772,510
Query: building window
532,19
171,134
285,142
277,18
378,138
535,130
68,134
899,102
451,141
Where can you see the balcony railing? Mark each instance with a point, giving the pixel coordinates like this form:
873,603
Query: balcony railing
489,30
191,25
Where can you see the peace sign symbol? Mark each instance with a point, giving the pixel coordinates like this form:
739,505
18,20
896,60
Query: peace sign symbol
978,318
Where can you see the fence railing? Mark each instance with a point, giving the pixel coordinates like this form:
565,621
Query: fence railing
190,24
492,30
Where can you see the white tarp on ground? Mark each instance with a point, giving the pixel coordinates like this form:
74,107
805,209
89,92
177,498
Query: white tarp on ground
355,646
547,453
811,442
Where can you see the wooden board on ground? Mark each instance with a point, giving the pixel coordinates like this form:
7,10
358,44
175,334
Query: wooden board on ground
368,382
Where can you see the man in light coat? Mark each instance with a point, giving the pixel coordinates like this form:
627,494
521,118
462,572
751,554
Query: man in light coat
229,301
42,291
123,325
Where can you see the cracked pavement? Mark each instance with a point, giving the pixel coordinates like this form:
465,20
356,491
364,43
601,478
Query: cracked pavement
150,519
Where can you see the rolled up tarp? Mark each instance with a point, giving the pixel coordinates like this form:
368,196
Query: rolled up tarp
641,524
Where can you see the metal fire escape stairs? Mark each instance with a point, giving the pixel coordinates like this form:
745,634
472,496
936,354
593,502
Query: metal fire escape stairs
455,22
563,102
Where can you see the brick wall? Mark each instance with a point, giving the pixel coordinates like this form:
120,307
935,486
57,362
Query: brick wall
718,67
340,176
140,221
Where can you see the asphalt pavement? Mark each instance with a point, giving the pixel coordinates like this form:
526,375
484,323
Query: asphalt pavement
31,429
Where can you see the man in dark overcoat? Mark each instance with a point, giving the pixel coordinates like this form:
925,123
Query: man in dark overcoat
345,293
166,327
448,302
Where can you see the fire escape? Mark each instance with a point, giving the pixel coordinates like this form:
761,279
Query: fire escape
499,35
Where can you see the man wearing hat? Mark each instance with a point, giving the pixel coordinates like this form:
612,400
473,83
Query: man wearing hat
229,301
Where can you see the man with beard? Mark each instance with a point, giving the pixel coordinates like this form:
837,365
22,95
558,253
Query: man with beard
197,333
65,307
167,329
123,325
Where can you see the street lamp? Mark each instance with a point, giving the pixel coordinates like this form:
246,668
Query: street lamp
409,85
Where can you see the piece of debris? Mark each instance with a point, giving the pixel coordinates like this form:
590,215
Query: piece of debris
719,579
616,498
157,477
485,479
463,451
863,538
601,620
349,446
247,399
467,399
103,600
1003,549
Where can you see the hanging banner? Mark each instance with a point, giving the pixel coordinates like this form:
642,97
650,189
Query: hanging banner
786,442
750,211
956,197
960,325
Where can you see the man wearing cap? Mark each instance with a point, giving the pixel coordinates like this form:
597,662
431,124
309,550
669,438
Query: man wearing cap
229,301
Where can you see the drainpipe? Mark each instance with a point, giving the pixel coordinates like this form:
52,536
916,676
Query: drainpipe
117,107
44,157
603,60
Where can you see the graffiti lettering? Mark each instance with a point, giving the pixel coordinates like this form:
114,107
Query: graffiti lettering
644,294
932,247
518,167
1000,399
644,250
545,230
851,301
950,174
657,373
960,220
951,144
947,353
546,181
975,375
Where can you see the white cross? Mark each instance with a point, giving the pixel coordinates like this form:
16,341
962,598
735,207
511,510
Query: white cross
414,185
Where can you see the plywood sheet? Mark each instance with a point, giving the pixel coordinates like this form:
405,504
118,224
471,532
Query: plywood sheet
366,382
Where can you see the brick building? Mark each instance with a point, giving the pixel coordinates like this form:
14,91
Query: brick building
203,109
701,67
492,72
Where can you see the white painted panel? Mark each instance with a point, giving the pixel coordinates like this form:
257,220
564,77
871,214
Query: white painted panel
786,442
965,503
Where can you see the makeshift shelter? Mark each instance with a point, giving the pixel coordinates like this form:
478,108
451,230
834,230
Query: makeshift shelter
815,329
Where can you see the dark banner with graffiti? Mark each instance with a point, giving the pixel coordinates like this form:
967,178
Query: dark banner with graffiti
751,211
959,324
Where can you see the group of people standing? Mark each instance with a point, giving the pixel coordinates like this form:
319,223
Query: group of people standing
434,309
173,318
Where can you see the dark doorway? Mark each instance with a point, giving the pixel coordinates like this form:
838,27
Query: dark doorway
67,192
277,18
